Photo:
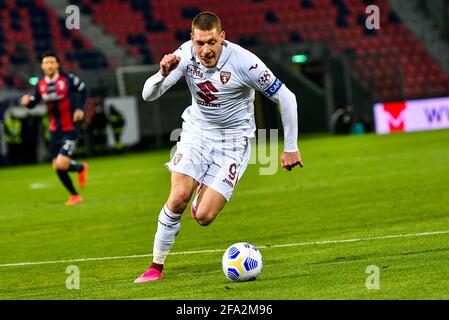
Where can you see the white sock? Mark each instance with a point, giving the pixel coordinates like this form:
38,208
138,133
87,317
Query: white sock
168,227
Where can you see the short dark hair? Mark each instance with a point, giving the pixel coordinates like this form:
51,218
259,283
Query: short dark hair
206,21
49,54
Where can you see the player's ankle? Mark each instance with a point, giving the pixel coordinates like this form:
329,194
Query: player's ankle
157,266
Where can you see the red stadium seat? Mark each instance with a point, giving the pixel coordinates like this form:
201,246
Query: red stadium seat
383,58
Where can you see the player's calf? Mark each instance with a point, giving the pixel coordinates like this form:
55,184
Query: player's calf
207,210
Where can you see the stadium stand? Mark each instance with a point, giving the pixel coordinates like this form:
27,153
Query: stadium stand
390,60
29,28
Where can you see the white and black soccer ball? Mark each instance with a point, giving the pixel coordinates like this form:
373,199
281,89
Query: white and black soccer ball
242,262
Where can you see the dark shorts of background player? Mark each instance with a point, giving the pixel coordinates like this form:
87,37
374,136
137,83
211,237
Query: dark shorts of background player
63,142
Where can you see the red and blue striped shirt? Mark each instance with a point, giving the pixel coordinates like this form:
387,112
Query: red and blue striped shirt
57,95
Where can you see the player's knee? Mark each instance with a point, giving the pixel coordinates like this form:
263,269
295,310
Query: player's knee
178,202
205,218
61,164
203,221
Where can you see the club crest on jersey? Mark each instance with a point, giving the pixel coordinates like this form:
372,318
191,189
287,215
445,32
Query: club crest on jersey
264,78
177,158
194,72
225,76
61,85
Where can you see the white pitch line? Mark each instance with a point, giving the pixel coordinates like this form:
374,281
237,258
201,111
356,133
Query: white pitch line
422,234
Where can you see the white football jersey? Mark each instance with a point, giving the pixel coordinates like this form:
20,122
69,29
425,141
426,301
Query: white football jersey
223,96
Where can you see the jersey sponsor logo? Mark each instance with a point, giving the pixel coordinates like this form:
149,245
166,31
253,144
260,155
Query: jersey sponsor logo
206,104
264,78
277,84
206,91
177,158
225,76
254,66
194,72
52,96
229,183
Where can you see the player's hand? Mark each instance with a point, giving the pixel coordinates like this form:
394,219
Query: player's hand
289,160
168,63
78,115
25,100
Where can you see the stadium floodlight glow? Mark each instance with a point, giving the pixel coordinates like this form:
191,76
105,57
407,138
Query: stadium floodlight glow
299,58
33,80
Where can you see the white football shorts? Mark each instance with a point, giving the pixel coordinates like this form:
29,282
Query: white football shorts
219,164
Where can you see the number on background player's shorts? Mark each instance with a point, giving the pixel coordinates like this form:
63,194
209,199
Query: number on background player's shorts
68,147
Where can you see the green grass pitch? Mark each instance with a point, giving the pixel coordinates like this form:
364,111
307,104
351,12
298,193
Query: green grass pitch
389,194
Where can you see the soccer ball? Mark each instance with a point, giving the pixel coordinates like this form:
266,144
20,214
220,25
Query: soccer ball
242,262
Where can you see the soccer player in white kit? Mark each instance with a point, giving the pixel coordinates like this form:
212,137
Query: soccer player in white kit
214,148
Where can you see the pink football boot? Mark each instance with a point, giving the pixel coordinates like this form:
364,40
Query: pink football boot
152,274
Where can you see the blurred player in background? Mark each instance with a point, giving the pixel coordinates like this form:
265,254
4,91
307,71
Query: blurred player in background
214,149
55,89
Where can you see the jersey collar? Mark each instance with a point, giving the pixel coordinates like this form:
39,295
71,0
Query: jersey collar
54,78
225,53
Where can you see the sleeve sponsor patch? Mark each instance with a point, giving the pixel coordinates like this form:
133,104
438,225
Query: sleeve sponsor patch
271,90
264,78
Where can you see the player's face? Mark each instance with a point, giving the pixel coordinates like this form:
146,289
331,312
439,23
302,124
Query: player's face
208,46
50,66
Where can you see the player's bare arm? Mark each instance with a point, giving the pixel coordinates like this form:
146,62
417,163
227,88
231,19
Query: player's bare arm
289,160
168,63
